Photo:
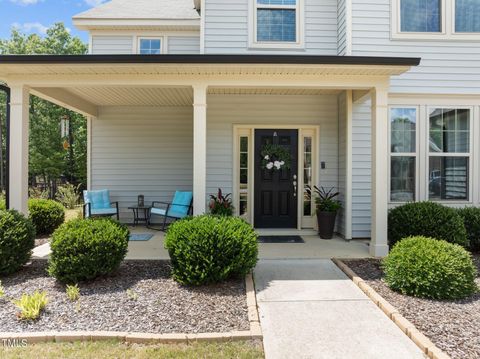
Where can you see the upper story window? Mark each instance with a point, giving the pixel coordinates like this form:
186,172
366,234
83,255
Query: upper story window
276,23
436,19
150,46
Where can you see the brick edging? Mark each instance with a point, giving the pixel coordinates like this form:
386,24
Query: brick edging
425,344
255,331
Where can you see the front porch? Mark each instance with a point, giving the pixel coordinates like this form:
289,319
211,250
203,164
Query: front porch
144,137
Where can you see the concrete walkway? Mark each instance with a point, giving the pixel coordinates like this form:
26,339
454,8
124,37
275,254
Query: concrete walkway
310,309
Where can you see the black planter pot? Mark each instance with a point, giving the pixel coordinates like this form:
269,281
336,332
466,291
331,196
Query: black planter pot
326,224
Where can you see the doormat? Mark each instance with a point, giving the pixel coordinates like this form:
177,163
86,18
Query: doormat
280,239
140,237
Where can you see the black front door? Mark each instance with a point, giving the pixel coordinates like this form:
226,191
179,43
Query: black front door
275,190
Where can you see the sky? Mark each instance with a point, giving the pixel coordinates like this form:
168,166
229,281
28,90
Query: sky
35,16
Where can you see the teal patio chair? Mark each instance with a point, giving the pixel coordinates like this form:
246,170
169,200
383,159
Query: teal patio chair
97,204
179,208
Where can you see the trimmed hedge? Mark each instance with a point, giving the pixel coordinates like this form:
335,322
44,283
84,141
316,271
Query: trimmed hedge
17,240
428,268
210,249
471,221
427,219
46,215
83,249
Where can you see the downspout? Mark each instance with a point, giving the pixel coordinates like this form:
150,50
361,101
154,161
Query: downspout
7,148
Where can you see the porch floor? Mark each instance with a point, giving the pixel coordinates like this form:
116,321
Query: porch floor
314,247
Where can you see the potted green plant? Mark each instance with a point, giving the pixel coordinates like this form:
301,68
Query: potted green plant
221,205
326,209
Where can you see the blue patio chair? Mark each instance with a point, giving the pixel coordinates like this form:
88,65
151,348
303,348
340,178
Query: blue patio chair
179,208
97,204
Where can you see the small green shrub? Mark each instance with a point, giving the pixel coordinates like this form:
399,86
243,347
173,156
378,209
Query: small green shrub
2,290
73,292
471,220
83,249
427,219
209,249
132,295
46,215
31,305
17,240
427,268
68,196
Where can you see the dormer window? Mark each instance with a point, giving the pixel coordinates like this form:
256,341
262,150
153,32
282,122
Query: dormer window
150,46
276,23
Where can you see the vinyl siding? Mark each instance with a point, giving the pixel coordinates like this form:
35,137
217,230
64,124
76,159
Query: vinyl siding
226,28
361,171
342,158
112,45
450,67
142,150
183,44
265,110
342,27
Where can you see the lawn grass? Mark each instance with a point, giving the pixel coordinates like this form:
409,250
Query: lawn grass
112,349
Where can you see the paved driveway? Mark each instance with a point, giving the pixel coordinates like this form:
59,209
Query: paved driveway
310,309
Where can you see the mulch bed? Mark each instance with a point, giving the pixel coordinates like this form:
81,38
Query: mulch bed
453,326
161,306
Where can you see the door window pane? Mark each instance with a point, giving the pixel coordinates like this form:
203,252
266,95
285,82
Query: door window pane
467,15
448,178
449,130
276,25
307,175
420,16
403,130
243,165
402,179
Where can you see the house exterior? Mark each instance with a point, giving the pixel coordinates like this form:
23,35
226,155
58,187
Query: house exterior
187,95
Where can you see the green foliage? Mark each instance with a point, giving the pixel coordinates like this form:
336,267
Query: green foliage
428,219
428,268
2,290
471,221
48,159
83,249
68,195
46,215
17,239
73,292
31,305
324,199
221,205
132,295
275,157
209,249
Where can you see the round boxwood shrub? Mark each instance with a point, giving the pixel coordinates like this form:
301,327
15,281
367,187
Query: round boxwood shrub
427,268
17,239
471,220
83,249
427,219
209,249
46,215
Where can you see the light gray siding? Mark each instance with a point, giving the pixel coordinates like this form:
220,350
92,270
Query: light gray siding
342,27
142,150
342,158
266,110
184,45
361,171
112,45
226,27
447,66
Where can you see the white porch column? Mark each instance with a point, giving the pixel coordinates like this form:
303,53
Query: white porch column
19,120
199,148
379,243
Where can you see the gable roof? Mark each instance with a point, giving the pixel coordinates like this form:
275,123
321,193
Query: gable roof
142,9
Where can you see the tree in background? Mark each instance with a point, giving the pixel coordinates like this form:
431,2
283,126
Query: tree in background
49,159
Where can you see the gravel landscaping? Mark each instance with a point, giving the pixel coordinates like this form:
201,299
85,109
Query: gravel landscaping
140,297
452,325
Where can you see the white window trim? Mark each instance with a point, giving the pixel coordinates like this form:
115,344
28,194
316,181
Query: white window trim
471,177
163,47
447,25
404,154
300,19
